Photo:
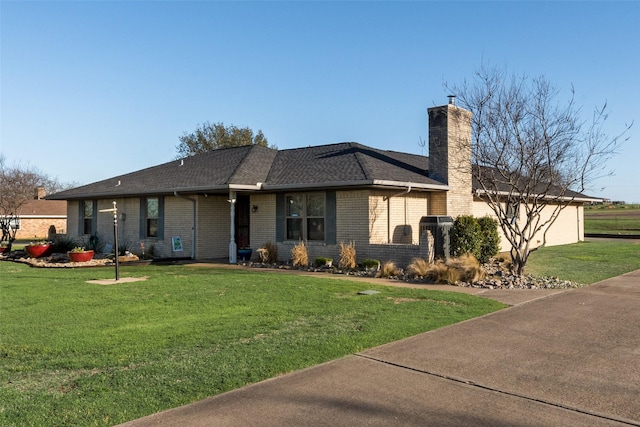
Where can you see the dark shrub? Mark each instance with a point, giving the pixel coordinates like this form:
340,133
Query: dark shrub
490,239
63,244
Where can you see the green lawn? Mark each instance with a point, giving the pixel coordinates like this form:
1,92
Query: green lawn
73,353
586,262
612,219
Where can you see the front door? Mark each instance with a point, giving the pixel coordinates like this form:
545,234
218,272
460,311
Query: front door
243,213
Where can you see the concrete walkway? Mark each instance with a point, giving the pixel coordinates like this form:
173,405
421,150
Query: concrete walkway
571,358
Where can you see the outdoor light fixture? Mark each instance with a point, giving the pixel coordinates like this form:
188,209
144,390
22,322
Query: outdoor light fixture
254,208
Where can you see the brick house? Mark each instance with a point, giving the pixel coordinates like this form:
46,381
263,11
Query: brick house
38,216
242,197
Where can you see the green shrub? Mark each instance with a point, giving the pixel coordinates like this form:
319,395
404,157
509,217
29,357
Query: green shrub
63,244
322,262
466,236
370,263
490,244
478,237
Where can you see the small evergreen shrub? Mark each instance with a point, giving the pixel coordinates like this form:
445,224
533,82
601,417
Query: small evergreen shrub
466,236
322,262
370,263
478,237
490,244
300,255
347,256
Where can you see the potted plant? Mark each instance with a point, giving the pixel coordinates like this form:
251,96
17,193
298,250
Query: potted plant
80,254
4,246
39,249
244,254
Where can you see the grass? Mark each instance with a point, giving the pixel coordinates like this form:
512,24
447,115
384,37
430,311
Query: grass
612,219
586,262
73,353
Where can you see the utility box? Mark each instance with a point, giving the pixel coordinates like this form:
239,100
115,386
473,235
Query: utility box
440,227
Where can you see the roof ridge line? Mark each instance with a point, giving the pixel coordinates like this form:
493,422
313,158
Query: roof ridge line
360,158
240,163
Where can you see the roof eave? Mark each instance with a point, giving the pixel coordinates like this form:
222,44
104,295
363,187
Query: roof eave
353,184
584,199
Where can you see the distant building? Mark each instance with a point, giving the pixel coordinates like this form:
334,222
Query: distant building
38,216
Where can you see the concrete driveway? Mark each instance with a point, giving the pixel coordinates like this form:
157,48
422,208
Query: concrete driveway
571,358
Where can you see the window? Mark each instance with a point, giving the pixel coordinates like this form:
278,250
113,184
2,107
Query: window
151,217
87,216
512,211
305,217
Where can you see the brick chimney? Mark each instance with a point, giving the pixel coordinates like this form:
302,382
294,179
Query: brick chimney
450,158
39,193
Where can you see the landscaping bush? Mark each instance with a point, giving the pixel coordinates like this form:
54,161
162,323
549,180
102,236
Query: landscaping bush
268,253
347,256
466,237
322,262
443,274
388,269
63,244
300,255
490,244
370,263
468,268
478,237
418,267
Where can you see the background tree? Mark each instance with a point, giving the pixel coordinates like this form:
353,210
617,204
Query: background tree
532,154
17,187
211,136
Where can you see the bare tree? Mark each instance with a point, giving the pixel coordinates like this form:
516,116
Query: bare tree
17,186
533,155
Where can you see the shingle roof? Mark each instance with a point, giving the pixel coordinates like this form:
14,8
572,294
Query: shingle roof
44,208
347,162
496,183
343,164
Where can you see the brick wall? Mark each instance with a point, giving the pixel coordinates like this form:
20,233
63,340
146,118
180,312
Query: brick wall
362,218
450,157
37,228
213,227
262,221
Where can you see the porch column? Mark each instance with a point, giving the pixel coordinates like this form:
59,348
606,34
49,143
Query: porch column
233,254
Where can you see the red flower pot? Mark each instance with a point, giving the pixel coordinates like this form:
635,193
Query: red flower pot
80,256
38,251
3,249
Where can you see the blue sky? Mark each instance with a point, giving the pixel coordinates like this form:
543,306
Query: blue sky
94,89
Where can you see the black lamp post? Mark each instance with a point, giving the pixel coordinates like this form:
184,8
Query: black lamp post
115,236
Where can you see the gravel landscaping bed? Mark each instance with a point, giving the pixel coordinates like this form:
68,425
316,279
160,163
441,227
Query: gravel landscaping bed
497,278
